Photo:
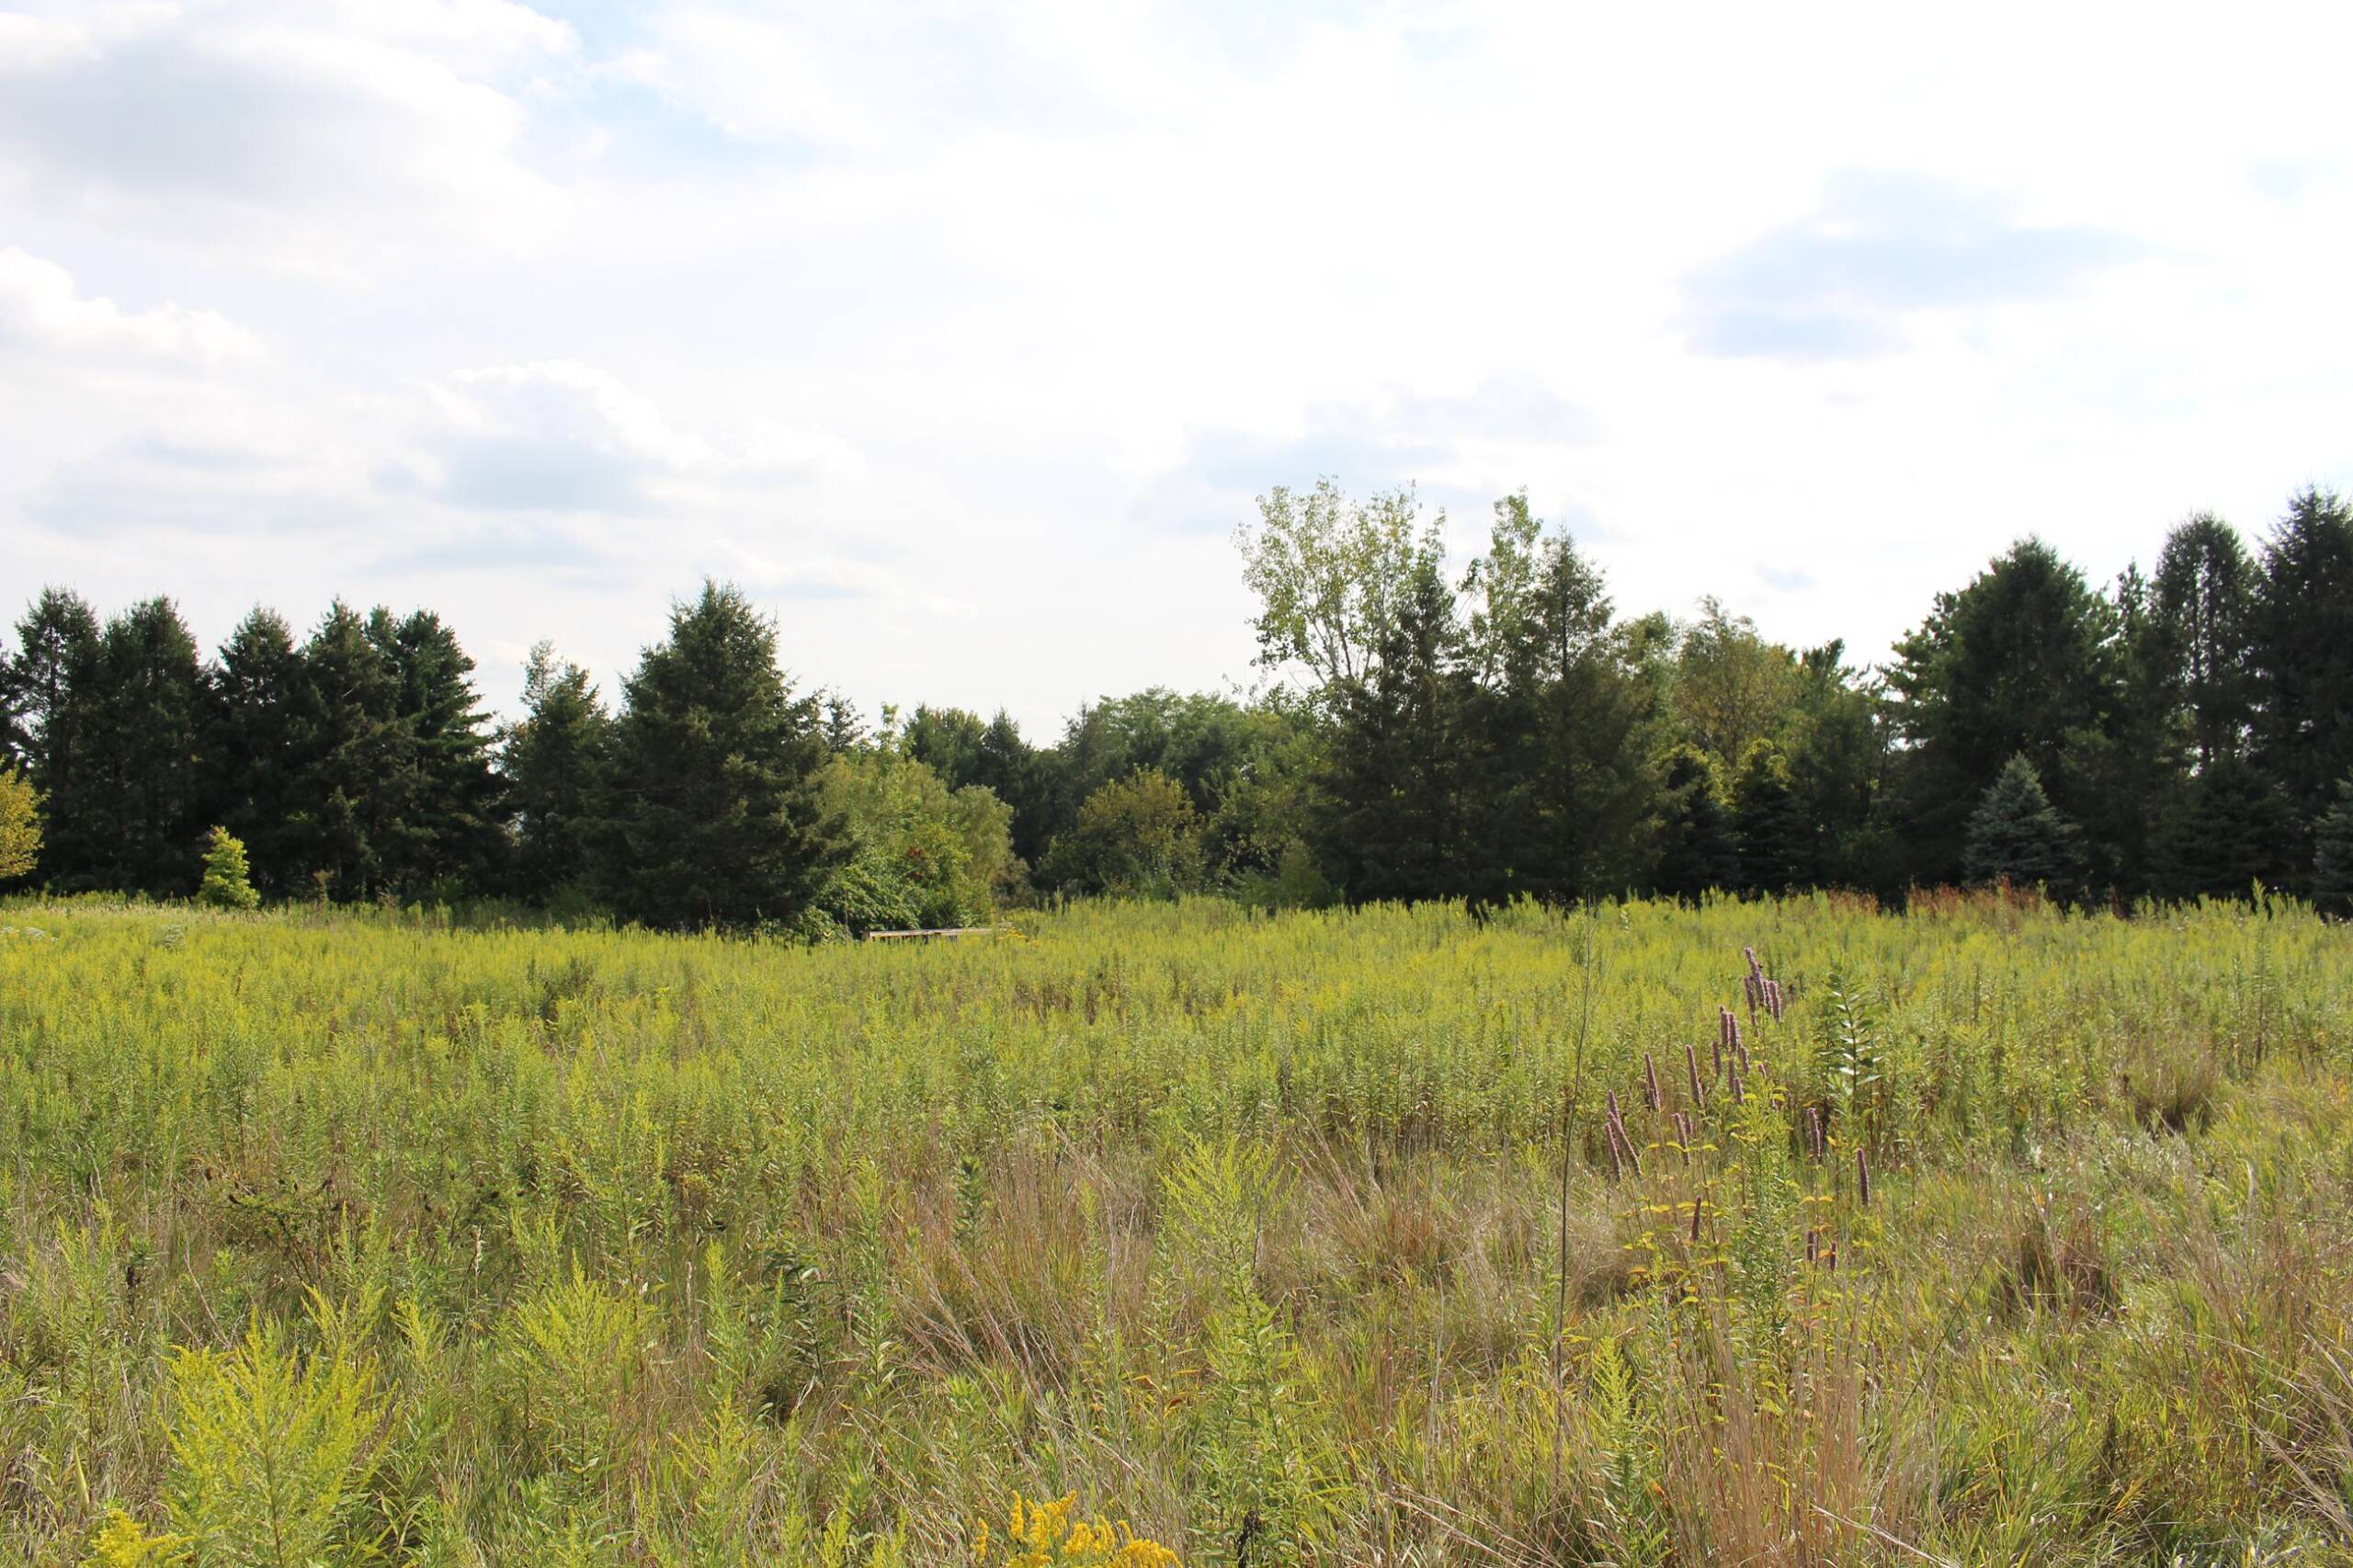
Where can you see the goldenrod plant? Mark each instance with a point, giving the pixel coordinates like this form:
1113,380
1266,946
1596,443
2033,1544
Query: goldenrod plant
1984,1232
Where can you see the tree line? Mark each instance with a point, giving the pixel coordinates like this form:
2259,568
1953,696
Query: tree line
1490,733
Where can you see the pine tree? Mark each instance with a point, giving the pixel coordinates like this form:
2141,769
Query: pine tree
2204,596
2020,662
228,880
254,746
712,814
1696,850
1770,827
49,679
2301,651
2225,830
132,821
1562,715
452,831
553,761
2016,836
355,759
2332,852
1399,824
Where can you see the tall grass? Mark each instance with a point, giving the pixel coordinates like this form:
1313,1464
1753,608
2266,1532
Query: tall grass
2014,1236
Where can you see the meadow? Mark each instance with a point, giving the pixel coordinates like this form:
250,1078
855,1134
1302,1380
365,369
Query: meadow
1377,1237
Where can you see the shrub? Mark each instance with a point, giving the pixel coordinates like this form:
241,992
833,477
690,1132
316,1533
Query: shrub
20,824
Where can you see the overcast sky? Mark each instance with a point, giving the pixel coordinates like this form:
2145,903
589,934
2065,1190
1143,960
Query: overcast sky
964,335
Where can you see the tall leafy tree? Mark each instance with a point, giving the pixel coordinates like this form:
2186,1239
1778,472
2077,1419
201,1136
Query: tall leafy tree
1335,578
965,751
254,746
1732,688
712,816
554,759
1134,836
2020,663
20,824
2302,650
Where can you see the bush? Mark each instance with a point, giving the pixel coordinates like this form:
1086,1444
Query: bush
20,824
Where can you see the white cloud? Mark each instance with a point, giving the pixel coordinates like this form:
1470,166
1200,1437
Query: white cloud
910,315
40,308
293,136
560,436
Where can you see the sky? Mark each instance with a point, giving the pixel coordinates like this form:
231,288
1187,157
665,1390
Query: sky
964,336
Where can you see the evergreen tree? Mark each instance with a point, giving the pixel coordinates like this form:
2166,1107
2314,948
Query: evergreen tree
1562,723
1696,849
2332,852
2021,662
132,821
1769,828
711,815
355,758
2126,772
2204,596
2225,830
2301,651
254,746
228,881
1399,824
1835,743
452,831
554,758
2014,835
57,648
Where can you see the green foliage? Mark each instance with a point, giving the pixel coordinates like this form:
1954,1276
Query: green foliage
921,856
2300,647
2017,663
2016,836
228,882
2333,851
1138,834
1334,578
553,760
712,815
1697,851
1732,688
1243,1228
270,1449
1770,827
20,824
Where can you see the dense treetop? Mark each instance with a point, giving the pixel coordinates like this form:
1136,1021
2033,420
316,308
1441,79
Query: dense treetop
1490,734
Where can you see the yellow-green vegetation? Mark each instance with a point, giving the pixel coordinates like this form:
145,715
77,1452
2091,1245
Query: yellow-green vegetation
351,1237
20,824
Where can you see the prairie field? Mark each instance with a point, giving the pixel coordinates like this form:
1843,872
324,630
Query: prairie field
1388,1237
